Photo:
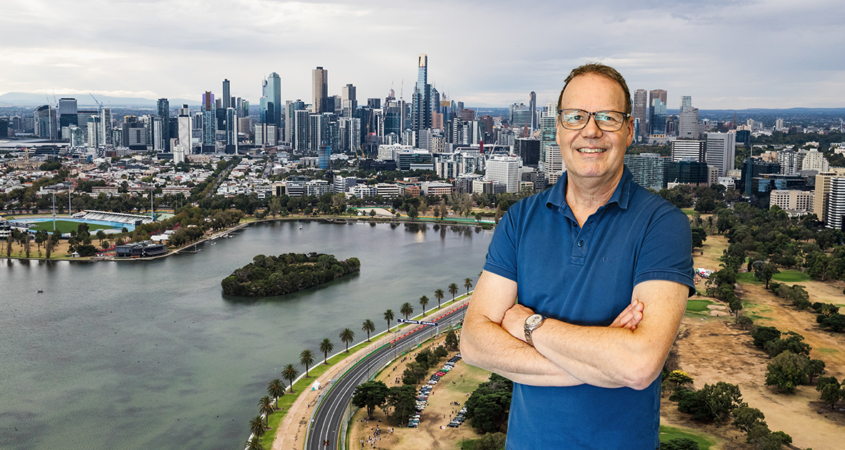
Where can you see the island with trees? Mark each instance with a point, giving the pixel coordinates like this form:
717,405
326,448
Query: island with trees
287,273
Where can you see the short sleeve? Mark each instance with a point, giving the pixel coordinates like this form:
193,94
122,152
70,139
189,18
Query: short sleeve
502,254
666,252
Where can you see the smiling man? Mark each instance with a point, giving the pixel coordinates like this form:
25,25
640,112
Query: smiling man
602,269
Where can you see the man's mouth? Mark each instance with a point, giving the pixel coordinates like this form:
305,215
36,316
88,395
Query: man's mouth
591,150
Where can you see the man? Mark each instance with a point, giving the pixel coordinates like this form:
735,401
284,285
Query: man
602,269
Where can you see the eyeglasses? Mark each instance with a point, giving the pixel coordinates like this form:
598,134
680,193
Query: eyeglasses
576,119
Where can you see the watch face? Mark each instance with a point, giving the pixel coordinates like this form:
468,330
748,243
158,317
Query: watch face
534,320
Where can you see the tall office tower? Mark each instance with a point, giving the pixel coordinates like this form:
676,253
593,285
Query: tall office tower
46,125
94,132
520,116
822,195
532,105
183,147
291,107
231,127
694,149
209,122
349,101
315,130
158,137
301,128
721,151
226,95
163,110
271,100
421,99
374,103
647,169
657,117
319,90
434,97
505,170
836,205
687,119
106,127
640,110
657,93
67,115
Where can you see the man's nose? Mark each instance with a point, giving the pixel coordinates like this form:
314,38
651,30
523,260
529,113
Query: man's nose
591,130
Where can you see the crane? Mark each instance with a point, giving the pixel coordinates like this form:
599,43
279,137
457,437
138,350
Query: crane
100,110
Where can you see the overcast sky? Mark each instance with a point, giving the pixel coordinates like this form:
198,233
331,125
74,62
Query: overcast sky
725,54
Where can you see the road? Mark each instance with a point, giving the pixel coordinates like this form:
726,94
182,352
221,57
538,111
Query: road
327,421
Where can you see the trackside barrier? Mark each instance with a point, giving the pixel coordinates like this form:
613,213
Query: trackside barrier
350,410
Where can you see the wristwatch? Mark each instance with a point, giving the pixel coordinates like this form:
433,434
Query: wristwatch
532,323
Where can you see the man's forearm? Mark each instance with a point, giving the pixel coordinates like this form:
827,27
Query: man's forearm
490,347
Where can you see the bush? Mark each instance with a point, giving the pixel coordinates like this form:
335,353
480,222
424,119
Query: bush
712,403
491,441
836,322
744,322
679,444
787,371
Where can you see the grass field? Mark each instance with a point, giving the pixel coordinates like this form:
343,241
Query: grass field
66,226
747,277
704,441
698,305
791,276
688,211
827,350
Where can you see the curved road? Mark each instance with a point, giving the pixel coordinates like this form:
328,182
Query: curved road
327,420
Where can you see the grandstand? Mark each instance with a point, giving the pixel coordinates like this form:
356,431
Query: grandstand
131,219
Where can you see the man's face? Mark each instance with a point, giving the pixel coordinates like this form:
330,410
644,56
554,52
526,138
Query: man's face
591,152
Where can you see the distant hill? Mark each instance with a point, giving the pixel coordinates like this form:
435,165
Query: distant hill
28,99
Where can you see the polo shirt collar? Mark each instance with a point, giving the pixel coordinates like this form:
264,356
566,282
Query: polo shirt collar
621,196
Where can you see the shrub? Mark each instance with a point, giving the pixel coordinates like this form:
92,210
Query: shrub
787,371
679,444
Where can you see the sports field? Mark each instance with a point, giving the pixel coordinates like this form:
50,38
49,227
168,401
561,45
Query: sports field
66,226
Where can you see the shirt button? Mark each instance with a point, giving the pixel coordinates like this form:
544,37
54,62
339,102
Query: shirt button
580,243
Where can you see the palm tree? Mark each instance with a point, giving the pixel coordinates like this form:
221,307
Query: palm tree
453,289
438,294
369,327
276,389
326,346
406,310
468,284
423,302
306,358
265,406
289,373
256,426
388,316
254,444
346,337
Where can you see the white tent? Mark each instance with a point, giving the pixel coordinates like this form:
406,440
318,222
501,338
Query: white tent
315,386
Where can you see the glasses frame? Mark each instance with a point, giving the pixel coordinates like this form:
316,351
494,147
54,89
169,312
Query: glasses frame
625,117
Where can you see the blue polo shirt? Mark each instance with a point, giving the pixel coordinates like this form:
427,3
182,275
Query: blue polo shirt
586,276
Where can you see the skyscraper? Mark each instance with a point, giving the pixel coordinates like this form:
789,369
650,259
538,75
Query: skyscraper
532,105
163,110
226,96
319,90
640,110
183,148
657,117
349,101
231,127
107,137
687,119
271,100
421,99
721,151
209,122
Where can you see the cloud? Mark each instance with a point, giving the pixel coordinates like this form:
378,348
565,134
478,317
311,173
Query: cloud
725,54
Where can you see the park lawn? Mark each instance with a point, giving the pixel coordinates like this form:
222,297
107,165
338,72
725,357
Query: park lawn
698,305
827,350
791,276
705,441
755,311
688,211
66,226
747,277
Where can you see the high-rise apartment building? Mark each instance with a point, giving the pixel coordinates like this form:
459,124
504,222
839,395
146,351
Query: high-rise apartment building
349,101
657,117
319,90
46,123
640,110
815,160
231,127
836,204
721,151
94,133
209,122
67,115
422,99
183,145
688,148
505,170
687,119
227,103
107,138
163,112
532,105
647,169
301,134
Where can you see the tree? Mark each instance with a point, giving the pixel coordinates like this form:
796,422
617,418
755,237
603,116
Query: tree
744,322
326,346
438,294
491,441
388,316
276,389
698,237
368,326
761,335
679,378
763,271
786,371
402,400
101,236
289,373
306,358
453,289
406,310
451,340
254,444
256,426
746,418
372,213
830,390
468,284
346,336
710,403
369,395
412,213
815,368
487,407
679,444
794,342
265,406
423,302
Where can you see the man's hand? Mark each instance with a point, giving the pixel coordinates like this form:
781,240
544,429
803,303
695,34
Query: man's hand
514,320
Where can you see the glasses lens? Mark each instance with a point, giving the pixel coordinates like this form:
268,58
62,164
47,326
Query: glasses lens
609,120
574,118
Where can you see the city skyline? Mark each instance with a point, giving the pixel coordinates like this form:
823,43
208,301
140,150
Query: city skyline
726,55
